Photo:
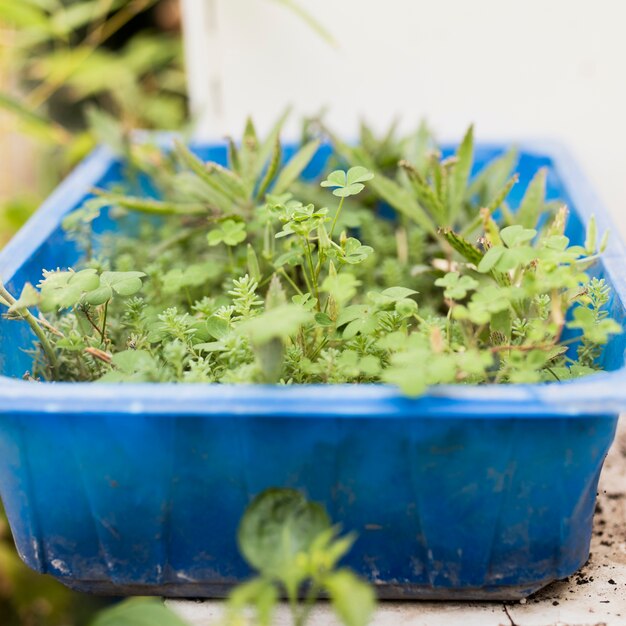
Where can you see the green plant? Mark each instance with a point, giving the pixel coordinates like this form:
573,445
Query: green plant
318,287
294,549
29,599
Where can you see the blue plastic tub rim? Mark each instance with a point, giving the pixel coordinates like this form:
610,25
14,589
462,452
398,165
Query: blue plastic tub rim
603,393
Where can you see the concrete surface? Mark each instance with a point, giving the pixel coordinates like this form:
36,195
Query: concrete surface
595,596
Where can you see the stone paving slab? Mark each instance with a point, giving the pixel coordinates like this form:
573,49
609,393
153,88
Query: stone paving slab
595,596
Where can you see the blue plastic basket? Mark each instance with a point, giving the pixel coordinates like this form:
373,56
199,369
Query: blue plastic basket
467,492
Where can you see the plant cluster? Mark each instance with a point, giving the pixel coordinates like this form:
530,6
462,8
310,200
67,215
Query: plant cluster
413,273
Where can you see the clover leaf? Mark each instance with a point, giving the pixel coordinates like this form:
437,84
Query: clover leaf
456,286
63,290
348,183
230,232
354,252
517,235
121,283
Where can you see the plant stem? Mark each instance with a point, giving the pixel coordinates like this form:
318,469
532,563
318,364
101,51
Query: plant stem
290,281
309,603
103,332
309,257
31,320
332,228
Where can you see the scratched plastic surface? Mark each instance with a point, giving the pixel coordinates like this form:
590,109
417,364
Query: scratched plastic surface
468,492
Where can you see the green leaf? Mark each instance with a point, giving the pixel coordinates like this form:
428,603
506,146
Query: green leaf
467,250
253,263
337,178
99,296
259,593
323,319
460,174
595,330
138,612
355,252
230,232
342,287
224,185
491,258
353,312
350,190
30,297
591,239
277,323
517,235
32,120
154,207
456,286
402,201
360,326
296,165
63,290
24,15
492,177
358,174
350,183
398,293
194,275
123,283
533,203
217,327
269,144
426,195
272,169
278,526
352,599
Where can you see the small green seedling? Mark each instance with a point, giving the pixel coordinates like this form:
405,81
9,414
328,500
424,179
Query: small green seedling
295,551
250,275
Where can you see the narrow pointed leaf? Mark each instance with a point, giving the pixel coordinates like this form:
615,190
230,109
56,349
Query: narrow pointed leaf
154,207
296,165
461,174
533,202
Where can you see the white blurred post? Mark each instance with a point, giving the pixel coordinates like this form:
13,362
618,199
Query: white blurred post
203,65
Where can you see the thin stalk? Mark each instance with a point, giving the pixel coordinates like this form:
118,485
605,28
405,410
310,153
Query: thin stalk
309,603
31,320
290,281
231,259
332,228
293,605
309,257
103,332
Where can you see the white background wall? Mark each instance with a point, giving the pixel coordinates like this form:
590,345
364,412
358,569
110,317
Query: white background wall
538,68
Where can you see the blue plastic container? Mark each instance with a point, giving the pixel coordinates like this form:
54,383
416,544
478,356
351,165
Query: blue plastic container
468,492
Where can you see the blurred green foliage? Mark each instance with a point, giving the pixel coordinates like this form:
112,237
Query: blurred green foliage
30,599
62,59
68,68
